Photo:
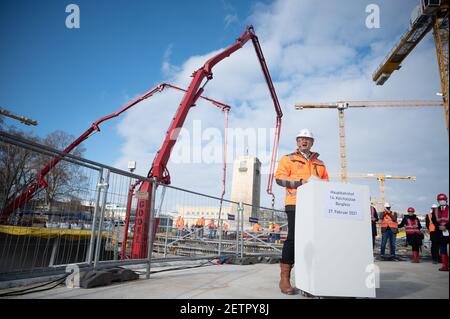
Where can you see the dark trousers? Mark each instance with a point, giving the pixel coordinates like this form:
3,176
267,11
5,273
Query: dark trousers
443,248
443,243
435,251
388,235
287,255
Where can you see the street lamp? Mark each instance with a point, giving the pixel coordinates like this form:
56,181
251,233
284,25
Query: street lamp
131,166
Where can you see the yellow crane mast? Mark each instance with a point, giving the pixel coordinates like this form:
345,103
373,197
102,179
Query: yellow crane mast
341,106
428,15
381,178
22,119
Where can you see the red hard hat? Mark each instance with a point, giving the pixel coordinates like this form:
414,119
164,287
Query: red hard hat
441,197
411,210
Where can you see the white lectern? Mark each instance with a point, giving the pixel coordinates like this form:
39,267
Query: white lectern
333,240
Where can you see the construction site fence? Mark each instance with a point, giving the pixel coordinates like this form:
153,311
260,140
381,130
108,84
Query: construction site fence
80,217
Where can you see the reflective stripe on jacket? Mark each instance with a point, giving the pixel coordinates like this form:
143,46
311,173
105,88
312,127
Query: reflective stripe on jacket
180,224
412,227
441,215
388,222
294,168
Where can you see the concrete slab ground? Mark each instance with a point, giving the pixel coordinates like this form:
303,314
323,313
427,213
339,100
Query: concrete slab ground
400,279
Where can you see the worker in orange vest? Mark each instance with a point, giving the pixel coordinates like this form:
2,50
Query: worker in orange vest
414,236
277,230
256,228
224,230
441,222
270,231
389,230
436,259
179,223
212,229
199,227
294,170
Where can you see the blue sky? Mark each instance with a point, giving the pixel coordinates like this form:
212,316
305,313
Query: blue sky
67,78
316,52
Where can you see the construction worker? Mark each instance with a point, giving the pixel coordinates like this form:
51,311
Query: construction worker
277,230
179,223
294,170
270,238
441,222
389,230
374,218
436,259
414,236
256,228
193,231
199,227
224,230
212,229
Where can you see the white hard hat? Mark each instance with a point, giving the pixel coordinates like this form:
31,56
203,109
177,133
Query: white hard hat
387,205
305,133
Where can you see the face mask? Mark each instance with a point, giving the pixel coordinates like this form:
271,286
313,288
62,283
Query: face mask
410,214
442,202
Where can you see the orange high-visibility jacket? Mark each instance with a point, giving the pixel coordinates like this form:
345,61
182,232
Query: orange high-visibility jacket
431,226
294,169
277,228
387,221
212,224
200,222
180,223
256,227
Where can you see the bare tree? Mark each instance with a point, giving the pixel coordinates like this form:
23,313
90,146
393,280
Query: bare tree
65,180
17,166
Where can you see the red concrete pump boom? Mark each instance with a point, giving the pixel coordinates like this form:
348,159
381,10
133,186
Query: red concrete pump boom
24,197
159,170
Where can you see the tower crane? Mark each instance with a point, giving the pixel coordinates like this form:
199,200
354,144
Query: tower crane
381,179
428,15
22,119
343,105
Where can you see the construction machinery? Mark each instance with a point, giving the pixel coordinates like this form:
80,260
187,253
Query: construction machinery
341,106
381,179
22,119
428,15
159,173
19,201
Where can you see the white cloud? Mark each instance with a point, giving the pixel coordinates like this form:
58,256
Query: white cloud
230,19
167,68
316,52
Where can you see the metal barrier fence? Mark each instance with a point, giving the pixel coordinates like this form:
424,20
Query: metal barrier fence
79,218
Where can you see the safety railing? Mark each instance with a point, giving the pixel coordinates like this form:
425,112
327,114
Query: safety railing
80,217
